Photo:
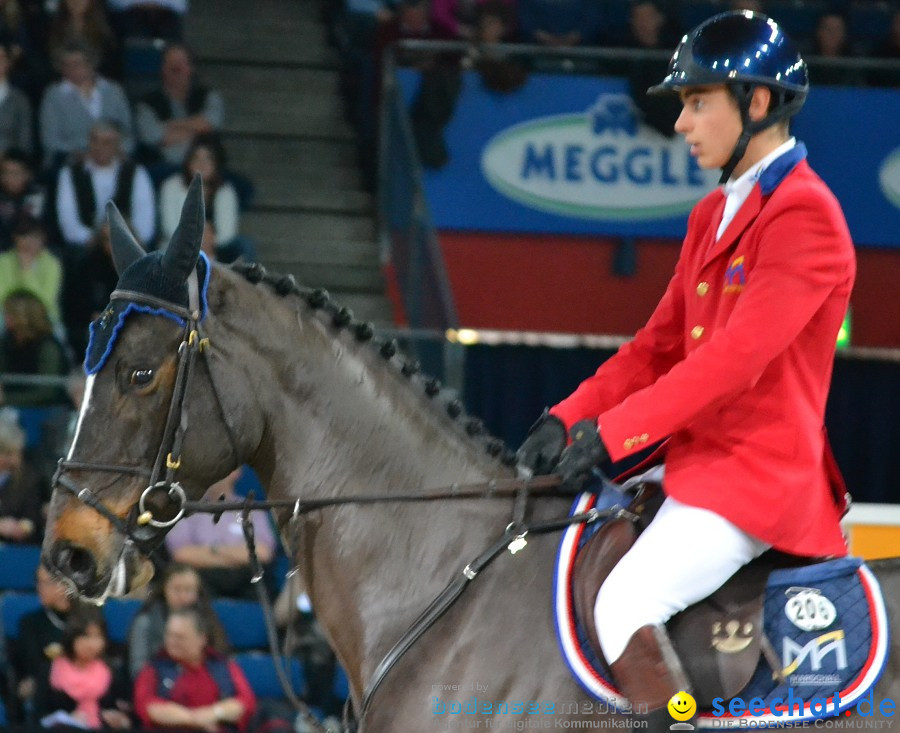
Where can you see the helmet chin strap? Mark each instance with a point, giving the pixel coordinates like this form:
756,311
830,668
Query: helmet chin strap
744,95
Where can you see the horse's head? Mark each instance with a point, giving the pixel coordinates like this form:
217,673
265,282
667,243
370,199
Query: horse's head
151,430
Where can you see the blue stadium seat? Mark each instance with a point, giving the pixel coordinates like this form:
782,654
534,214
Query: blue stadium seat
18,564
119,613
341,688
259,669
244,623
37,421
248,480
12,607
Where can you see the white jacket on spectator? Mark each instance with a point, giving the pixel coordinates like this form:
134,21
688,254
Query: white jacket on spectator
225,209
104,179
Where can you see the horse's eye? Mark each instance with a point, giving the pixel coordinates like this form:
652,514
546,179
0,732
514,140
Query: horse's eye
141,377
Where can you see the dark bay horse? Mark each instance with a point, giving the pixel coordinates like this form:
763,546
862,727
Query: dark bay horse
292,386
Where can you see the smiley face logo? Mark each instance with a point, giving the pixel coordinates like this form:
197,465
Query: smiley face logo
682,706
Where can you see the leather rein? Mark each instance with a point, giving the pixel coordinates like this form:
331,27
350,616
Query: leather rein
164,502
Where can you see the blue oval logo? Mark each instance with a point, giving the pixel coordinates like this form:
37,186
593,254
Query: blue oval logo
889,178
598,164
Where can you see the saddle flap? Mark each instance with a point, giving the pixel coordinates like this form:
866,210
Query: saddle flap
592,566
719,639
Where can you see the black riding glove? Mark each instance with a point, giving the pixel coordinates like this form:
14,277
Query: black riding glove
581,455
543,445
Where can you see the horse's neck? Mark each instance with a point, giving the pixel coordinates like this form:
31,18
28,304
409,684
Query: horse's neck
346,423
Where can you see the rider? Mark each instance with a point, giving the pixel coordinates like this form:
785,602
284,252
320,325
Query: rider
733,366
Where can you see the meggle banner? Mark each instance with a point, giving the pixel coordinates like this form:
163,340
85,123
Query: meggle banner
569,155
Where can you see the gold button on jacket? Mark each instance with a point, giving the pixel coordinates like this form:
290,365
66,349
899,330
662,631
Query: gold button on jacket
696,332
702,289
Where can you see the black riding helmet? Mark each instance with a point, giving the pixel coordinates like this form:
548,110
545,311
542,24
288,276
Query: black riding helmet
742,50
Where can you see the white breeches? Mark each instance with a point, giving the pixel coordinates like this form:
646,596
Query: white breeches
685,554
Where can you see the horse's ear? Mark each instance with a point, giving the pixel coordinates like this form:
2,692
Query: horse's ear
184,248
125,248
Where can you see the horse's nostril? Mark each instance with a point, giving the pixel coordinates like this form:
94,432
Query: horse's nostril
75,562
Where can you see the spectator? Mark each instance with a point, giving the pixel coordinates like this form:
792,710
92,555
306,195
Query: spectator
30,266
170,117
105,175
23,29
305,640
435,101
208,241
458,19
12,29
87,284
19,194
21,488
494,23
205,157
29,347
82,690
72,106
359,20
84,21
356,34
15,109
831,42
559,23
149,18
218,550
189,684
40,635
888,49
179,587
649,28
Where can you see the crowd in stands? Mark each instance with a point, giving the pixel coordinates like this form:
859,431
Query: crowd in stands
80,127
174,666
819,27
177,666
362,29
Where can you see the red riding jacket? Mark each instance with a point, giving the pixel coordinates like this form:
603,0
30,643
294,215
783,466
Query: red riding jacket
735,362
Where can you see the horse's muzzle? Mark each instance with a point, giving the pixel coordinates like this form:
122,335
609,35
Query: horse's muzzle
78,565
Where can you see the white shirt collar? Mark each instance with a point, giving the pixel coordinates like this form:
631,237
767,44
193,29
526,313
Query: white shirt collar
750,176
737,190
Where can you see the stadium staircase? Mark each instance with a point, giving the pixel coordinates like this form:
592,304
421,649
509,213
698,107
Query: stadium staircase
285,129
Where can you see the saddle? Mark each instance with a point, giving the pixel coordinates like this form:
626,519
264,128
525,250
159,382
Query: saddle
727,626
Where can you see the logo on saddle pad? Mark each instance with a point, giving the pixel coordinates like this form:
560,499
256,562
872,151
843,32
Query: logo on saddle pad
732,636
793,655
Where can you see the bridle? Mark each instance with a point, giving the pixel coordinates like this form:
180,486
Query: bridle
145,530
142,528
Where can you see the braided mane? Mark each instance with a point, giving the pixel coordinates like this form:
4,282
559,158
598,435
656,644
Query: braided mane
341,317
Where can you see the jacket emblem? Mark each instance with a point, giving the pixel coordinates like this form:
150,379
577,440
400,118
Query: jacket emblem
735,277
